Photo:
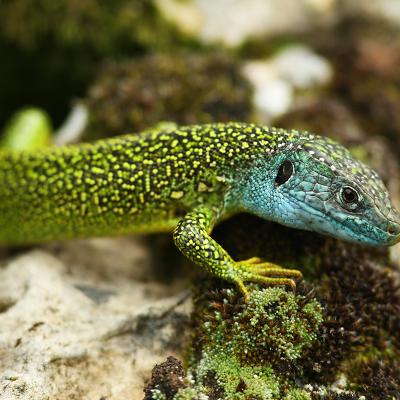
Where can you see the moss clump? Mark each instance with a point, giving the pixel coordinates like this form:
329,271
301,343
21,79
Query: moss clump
334,395
243,350
362,303
167,379
234,380
183,88
107,28
376,375
357,287
274,326
357,338
297,394
189,394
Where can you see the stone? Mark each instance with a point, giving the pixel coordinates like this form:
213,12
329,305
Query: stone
75,323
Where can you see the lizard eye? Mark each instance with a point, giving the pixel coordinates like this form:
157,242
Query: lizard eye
349,195
285,171
350,199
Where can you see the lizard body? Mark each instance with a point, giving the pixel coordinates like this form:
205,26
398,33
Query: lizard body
188,179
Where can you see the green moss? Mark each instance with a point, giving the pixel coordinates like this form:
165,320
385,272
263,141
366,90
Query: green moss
188,394
361,315
274,322
297,394
108,28
375,372
236,380
355,285
158,395
245,348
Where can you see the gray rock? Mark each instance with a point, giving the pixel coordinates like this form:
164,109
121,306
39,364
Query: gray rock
88,330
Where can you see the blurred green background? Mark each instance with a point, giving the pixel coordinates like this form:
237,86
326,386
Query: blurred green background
146,61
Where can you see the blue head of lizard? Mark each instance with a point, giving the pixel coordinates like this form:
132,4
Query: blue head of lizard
317,185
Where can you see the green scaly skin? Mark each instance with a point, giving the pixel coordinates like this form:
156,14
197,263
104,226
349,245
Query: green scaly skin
188,179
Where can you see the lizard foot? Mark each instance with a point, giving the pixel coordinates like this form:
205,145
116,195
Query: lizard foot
256,270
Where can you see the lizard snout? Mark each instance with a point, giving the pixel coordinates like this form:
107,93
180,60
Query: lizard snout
393,226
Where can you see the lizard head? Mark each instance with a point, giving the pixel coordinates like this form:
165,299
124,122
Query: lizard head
317,185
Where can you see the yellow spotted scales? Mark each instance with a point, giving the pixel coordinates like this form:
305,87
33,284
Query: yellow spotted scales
188,179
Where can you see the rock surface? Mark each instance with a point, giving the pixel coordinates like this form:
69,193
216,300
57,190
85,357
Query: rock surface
83,321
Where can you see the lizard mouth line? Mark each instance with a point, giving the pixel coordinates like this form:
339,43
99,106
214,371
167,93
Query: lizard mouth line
357,235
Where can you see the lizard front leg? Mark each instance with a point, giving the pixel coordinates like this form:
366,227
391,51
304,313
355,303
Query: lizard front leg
192,237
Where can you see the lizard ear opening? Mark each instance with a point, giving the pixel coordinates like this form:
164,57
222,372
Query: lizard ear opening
285,171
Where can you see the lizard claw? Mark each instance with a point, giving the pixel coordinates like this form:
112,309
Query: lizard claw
255,270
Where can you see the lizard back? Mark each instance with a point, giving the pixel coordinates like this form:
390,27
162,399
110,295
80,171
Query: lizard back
134,183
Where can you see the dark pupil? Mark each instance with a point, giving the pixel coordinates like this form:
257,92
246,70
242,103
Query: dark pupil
284,173
349,195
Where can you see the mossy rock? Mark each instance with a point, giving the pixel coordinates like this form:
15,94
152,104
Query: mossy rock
344,321
184,88
50,50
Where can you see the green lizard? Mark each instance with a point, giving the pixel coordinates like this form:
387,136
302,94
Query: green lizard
188,179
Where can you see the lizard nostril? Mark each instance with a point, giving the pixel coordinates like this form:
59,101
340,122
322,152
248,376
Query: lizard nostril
393,224
393,228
